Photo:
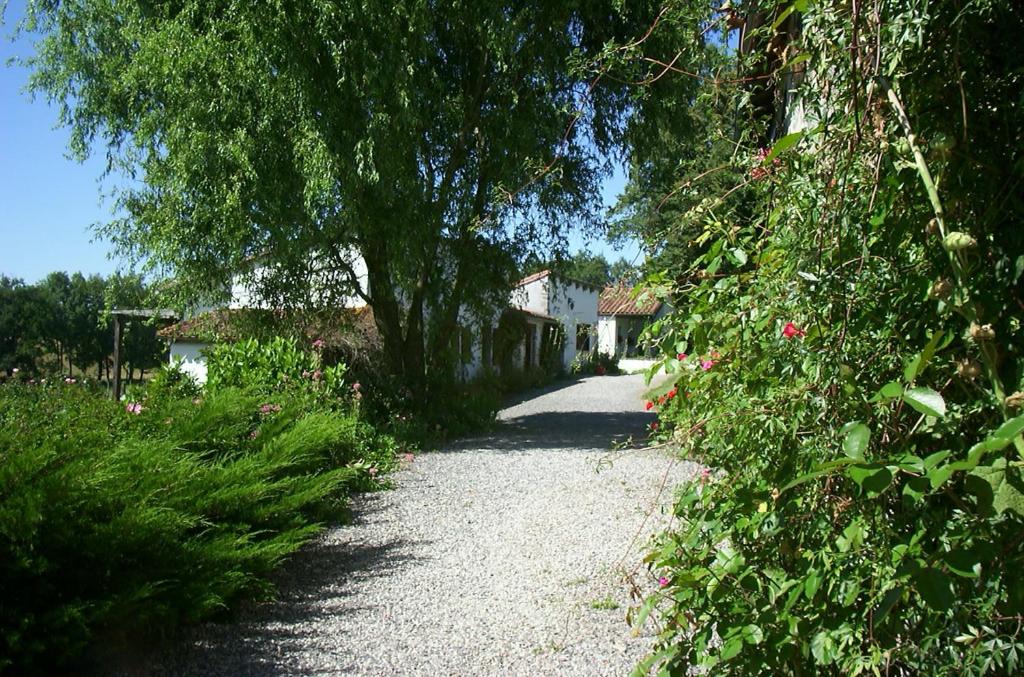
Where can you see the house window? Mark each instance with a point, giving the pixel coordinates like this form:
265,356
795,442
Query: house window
583,332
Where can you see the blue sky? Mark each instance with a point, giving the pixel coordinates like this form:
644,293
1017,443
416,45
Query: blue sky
50,202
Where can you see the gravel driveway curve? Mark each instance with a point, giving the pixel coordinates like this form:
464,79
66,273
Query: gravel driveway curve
500,555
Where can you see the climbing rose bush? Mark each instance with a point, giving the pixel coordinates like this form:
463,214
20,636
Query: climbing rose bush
863,512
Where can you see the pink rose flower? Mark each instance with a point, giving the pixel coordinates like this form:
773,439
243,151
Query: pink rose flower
792,331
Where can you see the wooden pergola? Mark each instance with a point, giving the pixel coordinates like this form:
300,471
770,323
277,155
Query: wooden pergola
121,314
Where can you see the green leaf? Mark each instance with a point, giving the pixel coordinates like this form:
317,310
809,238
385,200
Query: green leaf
910,371
811,584
940,475
925,401
932,460
823,647
856,441
782,145
935,587
929,351
1010,429
916,488
966,563
796,60
731,648
662,388
873,478
891,390
783,15
645,610
740,256
887,603
752,634
820,470
920,361
1007,485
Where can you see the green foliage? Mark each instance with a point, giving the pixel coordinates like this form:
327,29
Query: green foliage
275,366
62,322
172,383
116,524
464,141
595,362
552,349
583,266
851,364
20,314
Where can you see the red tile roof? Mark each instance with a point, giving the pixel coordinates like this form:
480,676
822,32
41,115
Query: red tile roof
620,300
530,278
334,326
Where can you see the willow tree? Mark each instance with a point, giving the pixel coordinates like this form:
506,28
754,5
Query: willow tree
434,139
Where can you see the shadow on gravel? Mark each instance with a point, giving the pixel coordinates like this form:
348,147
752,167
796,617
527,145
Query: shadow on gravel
562,430
519,398
260,639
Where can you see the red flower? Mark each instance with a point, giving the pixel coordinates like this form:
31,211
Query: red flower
681,356
672,393
791,330
649,405
654,426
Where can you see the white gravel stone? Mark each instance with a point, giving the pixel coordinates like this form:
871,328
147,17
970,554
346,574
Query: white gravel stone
504,554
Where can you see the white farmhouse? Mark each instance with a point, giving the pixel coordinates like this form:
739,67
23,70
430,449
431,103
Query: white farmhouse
544,303
549,299
622,317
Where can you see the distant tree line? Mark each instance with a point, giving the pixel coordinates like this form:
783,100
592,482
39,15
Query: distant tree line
592,268
63,323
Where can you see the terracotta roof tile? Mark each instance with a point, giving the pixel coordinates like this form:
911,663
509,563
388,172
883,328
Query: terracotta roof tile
619,300
336,326
530,278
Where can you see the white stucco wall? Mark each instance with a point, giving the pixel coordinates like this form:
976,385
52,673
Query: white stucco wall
192,361
244,296
532,296
572,304
606,334
475,367
566,301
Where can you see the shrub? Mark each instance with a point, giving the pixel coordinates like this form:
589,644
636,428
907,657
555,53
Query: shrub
595,362
116,521
854,349
275,366
173,383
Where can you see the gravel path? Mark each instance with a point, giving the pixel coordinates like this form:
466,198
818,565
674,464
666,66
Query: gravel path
501,555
